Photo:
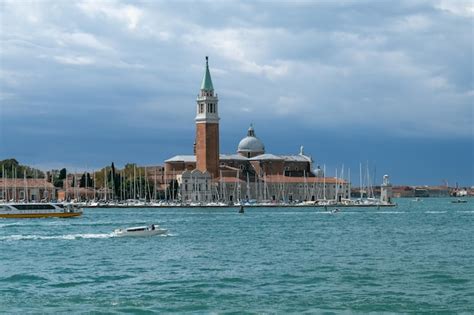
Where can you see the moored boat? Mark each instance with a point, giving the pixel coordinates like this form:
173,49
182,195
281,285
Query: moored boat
140,231
459,201
38,210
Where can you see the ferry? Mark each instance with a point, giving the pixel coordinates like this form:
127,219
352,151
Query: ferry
38,210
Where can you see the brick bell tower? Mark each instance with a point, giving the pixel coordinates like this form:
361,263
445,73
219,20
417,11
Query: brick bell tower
207,127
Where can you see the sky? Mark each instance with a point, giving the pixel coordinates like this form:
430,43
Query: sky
388,83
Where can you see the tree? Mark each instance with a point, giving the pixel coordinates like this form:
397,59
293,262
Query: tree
62,173
13,168
86,181
82,181
115,180
58,183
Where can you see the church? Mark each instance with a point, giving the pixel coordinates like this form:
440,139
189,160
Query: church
250,173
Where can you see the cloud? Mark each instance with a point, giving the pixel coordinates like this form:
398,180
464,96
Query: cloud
403,70
459,7
81,39
74,60
127,14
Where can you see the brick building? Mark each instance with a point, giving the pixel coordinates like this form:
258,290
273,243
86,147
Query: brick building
251,172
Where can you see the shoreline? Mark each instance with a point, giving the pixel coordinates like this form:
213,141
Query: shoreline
248,206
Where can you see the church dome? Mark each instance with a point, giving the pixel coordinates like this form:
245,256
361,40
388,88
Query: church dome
251,145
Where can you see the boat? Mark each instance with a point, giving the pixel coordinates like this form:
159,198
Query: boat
146,230
39,210
459,201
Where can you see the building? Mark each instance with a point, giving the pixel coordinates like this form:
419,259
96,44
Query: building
207,127
28,189
251,173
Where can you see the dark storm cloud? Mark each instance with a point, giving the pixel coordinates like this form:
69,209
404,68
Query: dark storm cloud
125,74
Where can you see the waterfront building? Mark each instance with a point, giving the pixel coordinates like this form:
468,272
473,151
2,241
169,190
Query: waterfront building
196,186
28,189
251,173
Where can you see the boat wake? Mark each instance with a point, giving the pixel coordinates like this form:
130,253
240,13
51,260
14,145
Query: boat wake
61,222
19,237
389,212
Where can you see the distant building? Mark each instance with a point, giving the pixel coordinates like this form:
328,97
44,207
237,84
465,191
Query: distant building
28,189
249,174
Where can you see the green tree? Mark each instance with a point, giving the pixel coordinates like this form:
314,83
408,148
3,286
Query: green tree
62,173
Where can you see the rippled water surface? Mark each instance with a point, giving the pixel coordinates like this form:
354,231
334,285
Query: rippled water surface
416,257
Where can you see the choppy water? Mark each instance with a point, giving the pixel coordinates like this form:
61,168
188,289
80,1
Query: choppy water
417,257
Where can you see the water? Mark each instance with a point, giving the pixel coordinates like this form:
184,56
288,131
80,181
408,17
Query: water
417,257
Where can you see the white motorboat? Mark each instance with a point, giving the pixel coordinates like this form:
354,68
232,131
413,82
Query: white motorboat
146,230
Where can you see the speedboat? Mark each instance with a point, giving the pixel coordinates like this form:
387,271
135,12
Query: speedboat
145,230
39,210
459,201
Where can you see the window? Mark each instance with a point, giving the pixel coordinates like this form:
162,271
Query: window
201,108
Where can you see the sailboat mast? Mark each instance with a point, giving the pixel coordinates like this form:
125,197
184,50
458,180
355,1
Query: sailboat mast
324,182
154,186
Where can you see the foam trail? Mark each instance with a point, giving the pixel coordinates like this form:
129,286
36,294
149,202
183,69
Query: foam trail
20,237
389,212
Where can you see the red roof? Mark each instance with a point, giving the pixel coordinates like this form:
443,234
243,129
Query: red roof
287,179
302,180
30,182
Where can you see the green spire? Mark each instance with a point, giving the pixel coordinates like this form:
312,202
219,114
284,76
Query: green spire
206,80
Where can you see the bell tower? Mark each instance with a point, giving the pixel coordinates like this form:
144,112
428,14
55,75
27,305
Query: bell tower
207,127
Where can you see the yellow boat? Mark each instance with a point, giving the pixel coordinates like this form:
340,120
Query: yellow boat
38,210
